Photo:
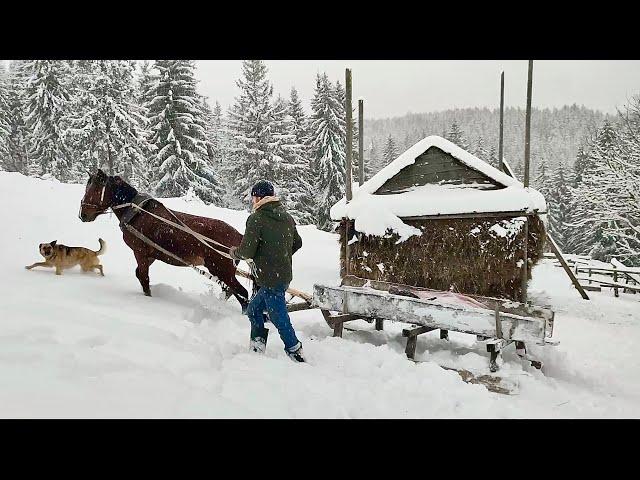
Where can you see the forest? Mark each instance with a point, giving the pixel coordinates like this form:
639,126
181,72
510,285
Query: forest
147,121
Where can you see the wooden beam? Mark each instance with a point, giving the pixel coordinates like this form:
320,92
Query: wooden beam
525,265
510,214
349,134
506,306
361,141
527,131
412,332
563,262
500,144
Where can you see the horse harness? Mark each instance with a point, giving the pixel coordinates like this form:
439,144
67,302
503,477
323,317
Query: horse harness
136,206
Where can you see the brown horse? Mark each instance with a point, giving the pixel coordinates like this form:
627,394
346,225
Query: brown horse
104,192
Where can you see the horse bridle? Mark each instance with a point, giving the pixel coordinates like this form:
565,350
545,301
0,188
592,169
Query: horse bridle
101,209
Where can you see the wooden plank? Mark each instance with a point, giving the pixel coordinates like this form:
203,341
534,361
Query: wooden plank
376,304
607,271
592,288
506,306
607,283
561,259
412,332
479,216
296,307
622,268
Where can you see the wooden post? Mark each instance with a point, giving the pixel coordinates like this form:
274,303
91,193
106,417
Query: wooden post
527,132
347,107
348,180
563,262
500,144
527,152
361,141
525,266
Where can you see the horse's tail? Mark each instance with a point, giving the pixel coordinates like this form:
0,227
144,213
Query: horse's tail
103,247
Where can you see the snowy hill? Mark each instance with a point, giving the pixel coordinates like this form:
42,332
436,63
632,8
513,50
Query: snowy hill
81,345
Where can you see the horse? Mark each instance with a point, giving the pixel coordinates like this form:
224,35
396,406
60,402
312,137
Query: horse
104,192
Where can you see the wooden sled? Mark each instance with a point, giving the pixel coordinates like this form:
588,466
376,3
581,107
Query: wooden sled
496,322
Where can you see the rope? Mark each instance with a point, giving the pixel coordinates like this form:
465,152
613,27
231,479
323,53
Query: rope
204,239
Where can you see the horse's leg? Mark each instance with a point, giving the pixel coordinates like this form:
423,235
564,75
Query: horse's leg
142,271
226,274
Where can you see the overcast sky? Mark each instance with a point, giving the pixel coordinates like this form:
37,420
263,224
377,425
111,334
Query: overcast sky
394,87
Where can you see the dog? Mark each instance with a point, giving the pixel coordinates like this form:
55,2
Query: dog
61,257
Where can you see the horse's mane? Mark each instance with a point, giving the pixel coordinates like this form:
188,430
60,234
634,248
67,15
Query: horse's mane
122,191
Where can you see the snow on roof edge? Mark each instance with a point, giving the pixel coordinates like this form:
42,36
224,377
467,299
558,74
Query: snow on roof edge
410,155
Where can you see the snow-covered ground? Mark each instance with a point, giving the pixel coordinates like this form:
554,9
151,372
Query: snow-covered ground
81,345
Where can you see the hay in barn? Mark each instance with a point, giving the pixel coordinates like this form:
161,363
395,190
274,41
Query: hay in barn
472,255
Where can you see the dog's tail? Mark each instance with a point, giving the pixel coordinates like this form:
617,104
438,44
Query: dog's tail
103,247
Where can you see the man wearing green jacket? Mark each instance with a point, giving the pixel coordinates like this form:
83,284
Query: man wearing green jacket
270,239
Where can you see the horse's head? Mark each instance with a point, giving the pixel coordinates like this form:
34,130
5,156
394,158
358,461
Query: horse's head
98,197
102,193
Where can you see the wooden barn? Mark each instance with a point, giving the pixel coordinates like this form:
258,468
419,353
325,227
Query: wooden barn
441,218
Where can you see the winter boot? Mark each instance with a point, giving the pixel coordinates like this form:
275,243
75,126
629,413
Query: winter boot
296,354
259,342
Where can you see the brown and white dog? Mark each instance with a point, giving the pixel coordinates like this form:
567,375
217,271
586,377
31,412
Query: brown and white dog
61,257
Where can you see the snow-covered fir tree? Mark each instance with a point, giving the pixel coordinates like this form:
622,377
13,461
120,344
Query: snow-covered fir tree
456,136
292,179
218,140
558,204
390,151
106,126
587,223
541,181
17,145
5,123
327,135
47,96
178,136
298,119
480,150
252,122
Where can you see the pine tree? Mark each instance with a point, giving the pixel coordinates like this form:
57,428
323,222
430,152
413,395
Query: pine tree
327,148
106,126
217,139
299,119
178,135
47,94
390,151
541,182
586,222
480,150
17,145
292,176
455,135
558,204
251,124
5,122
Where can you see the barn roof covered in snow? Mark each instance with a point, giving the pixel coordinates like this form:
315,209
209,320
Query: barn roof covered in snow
375,207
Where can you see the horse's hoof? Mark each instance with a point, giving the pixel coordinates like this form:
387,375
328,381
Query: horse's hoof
147,294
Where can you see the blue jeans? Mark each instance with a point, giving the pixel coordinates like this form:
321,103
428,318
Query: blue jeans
272,300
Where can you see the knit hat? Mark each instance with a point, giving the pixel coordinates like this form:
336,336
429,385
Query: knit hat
263,188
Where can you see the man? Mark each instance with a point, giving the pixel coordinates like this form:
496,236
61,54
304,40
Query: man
270,239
